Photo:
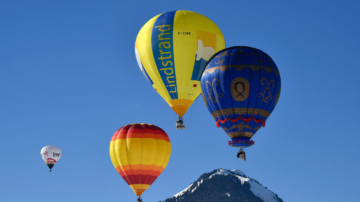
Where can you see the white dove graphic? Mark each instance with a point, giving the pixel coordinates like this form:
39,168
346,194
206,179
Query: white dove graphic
204,52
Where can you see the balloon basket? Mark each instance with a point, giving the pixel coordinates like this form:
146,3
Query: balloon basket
241,154
180,125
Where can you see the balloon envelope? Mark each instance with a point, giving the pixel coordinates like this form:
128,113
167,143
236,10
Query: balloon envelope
140,152
51,155
241,86
172,50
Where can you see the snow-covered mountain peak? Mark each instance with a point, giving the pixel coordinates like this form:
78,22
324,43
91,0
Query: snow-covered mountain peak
220,172
238,174
223,185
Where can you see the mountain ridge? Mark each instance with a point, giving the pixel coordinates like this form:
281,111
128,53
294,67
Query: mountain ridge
226,186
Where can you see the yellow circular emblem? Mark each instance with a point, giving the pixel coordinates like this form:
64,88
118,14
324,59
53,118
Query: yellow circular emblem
240,89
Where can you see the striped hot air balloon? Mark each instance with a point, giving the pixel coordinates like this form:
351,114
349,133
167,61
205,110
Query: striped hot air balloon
140,152
172,50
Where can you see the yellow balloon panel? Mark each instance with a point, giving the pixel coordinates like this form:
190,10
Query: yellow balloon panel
172,50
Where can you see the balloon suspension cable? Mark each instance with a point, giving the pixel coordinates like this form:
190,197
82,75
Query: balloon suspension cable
190,116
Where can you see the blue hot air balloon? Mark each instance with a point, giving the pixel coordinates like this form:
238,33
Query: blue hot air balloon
241,87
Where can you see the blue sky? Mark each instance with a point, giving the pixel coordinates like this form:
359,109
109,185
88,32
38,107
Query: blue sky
69,77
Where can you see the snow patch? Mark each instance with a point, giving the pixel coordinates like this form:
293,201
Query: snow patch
261,192
226,172
220,172
201,181
242,179
238,172
193,190
183,191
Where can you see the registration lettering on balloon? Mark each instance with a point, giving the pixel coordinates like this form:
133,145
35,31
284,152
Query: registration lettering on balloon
184,33
267,89
213,91
240,89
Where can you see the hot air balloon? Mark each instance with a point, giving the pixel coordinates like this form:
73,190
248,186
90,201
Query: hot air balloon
172,50
241,87
51,155
140,152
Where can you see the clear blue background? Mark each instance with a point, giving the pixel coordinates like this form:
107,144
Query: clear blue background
69,77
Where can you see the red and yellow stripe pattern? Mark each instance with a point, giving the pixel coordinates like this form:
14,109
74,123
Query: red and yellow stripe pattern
140,152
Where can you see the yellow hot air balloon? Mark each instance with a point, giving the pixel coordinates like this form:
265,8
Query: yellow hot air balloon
172,50
140,152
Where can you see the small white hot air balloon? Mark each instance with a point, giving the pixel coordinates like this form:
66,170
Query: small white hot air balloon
51,155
